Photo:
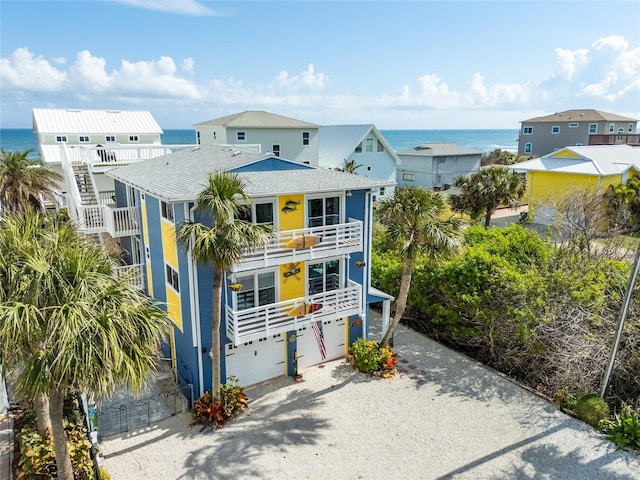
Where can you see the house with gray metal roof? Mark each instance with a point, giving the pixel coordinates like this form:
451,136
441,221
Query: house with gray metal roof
299,301
362,146
435,166
549,133
283,136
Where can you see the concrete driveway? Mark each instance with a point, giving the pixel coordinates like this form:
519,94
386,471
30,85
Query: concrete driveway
443,417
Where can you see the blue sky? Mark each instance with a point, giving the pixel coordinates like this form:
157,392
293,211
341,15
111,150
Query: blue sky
413,65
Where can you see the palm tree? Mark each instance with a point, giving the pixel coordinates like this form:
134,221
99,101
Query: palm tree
350,166
221,245
482,192
417,223
24,182
71,324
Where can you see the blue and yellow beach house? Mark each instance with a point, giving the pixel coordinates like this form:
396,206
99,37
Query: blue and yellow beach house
299,301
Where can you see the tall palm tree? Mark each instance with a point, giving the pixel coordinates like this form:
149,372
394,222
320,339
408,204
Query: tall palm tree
221,245
482,192
417,223
350,166
23,181
71,324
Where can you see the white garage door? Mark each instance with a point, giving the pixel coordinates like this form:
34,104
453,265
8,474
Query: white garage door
256,361
333,335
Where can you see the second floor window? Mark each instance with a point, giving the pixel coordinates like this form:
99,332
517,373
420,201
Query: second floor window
84,139
257,289
324,211
305,138
240,136
408,177
276,150
527,130
133,138
528,148
555,130
61,138
172,278
110,138
593,128
167,211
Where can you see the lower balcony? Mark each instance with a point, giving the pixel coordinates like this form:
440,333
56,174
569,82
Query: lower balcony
133,273
260,322
117,222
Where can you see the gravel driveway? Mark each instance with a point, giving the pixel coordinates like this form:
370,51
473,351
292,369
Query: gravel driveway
443,417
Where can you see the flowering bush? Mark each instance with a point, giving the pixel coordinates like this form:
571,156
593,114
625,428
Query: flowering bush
370,358
233,401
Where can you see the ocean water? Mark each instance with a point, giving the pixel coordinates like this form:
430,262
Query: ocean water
18,139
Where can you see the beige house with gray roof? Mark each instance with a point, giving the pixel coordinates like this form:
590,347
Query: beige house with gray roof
283,136
543,135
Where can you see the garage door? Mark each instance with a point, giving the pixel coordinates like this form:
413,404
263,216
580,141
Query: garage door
311,340
256,361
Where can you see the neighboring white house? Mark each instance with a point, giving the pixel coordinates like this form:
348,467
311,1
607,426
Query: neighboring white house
82,145
283,136
436,165
362,144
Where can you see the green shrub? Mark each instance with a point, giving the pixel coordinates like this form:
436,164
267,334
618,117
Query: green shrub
38,458
566,399
233,401
590,408
368,356
624,429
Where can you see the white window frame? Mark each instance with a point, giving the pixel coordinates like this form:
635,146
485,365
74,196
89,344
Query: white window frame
631,128
166,211
306,138
276,150
593,128
528,147
528,130
555,130
241,136
324,261
134,139
171,278
110,138
256,287
574,125
324,196
408,177
612,127
368,145
274,204
61,138
84,139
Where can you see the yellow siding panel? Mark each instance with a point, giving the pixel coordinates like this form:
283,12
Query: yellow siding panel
173,307
292,280
149,280
544,187
565,154
169,249
291,212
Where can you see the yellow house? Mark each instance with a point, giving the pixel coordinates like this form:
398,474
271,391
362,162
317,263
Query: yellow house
554,174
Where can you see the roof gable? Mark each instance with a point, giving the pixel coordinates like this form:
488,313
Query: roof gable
256,119
271,164
441,148
338,142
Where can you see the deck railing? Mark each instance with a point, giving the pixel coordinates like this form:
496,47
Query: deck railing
260,322
327,240
615,139
133,273
117,222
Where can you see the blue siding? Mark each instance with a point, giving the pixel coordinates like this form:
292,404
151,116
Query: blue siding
270,164
121,194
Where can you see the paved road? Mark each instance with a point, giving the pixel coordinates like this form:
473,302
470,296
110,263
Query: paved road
443,417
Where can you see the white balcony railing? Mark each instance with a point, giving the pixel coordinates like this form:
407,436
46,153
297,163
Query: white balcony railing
116,155
117,222
334,240
260,322
133,273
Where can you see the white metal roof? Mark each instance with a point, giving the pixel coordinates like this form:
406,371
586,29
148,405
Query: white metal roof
76,121
599,160
181,176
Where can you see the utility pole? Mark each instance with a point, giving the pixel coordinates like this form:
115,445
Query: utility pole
621,319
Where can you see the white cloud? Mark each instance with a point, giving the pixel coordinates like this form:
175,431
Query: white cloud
182,7
188,64
88,73
307,78
24,71
153,79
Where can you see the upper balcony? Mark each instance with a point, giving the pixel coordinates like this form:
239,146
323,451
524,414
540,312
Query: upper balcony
133,273
305,244
632,139
260,322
